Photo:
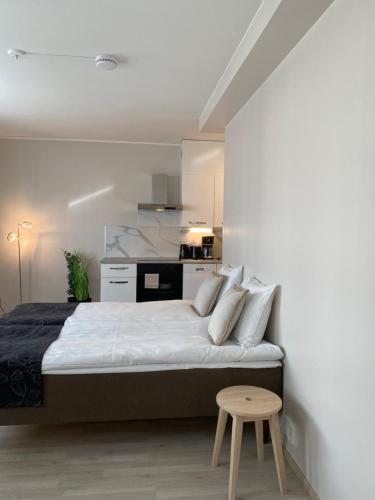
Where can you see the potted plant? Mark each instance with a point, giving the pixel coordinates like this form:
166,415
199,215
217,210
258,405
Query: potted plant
78,282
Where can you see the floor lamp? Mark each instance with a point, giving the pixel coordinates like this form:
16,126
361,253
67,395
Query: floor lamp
16,237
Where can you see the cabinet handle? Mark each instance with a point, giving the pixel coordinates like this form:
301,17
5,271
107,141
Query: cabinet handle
201,222
119,282
199,269
119,268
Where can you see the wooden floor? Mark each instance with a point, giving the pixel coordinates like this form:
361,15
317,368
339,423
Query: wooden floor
156,460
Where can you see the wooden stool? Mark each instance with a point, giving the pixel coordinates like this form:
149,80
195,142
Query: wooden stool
246,403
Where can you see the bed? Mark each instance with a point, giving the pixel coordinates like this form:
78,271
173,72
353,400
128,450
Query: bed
122,361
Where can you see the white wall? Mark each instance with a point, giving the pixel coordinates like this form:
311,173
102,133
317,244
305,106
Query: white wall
300,211
38,180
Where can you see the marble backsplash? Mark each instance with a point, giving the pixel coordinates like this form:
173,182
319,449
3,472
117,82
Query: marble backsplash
152,241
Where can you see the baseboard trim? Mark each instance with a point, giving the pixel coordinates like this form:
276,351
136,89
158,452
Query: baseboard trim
301,476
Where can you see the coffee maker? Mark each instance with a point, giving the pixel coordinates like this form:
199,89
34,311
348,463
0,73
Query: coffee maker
195,252
184,252
207,247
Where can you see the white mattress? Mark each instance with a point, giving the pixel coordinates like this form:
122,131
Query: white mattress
110,337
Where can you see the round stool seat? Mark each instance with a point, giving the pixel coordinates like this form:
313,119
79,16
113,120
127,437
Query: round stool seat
246,403
249,401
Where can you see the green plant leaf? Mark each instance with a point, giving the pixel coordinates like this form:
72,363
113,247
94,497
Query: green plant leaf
78,282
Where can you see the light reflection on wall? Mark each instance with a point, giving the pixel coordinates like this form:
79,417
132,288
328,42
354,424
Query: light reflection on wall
90,196
205,157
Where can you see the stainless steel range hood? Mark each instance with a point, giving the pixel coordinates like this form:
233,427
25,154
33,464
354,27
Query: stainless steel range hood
165,194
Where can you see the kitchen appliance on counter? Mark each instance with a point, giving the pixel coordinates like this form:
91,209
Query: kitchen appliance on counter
184,252
159,281
195,252
207,247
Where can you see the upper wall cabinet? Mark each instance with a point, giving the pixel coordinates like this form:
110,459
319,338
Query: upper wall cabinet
198,198
202,157
202,183
219,201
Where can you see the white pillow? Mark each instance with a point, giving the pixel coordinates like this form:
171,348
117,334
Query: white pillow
251,326
232,276
207,294
226,314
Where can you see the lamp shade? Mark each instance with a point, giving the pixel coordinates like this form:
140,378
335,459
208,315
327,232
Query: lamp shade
11,237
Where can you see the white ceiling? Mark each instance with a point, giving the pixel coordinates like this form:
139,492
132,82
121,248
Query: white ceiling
174,52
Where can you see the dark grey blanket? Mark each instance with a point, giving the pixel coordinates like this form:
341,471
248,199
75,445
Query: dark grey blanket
25,335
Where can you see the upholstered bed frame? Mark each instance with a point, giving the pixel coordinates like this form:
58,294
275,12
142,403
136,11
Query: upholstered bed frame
133,396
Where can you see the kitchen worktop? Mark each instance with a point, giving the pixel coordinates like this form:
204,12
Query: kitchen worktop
167,260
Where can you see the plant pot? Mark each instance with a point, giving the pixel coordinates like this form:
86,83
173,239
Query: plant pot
74,299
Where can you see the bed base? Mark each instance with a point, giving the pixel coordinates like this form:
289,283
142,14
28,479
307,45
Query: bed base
136,396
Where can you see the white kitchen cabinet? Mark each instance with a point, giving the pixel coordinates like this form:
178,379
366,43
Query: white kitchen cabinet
118,289
202,157
193,275
198,195
118,270
202,183
118,283
219,200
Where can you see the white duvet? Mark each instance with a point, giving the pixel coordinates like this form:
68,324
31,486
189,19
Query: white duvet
117,337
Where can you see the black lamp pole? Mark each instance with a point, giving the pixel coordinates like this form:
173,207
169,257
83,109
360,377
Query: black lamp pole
12,237
19,260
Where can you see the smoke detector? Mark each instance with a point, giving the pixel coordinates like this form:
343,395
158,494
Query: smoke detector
102,61
16,53
105,61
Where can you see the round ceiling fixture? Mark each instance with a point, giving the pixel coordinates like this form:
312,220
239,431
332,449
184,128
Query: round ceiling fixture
105,61
16,53
102,61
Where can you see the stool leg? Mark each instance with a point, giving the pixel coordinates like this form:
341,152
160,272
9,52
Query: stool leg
220,429
235,452
259,436
266,432
278,452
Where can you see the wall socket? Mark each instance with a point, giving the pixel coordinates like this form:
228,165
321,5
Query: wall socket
289,431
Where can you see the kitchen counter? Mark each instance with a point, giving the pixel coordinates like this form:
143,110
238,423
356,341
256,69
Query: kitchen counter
124,279
167,260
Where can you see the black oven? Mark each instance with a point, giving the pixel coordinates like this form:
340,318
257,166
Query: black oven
159,281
